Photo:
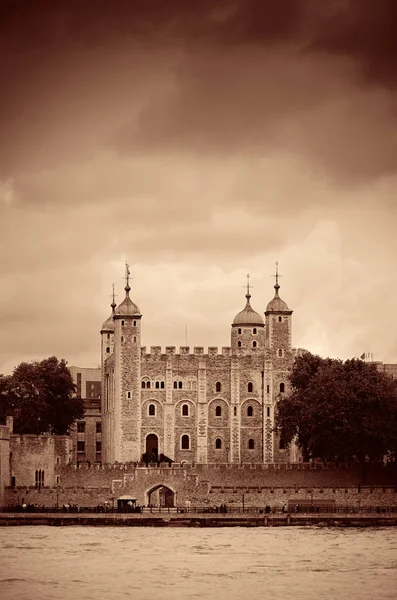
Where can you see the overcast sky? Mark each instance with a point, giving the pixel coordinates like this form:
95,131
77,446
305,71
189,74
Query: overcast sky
200,141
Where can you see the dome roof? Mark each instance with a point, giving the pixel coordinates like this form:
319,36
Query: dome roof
108,324
277,305
127,306
248,316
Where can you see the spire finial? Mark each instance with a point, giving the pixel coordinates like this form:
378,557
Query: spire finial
276,286
113,305
248,286
127,277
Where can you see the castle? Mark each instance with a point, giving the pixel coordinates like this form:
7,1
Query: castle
196,407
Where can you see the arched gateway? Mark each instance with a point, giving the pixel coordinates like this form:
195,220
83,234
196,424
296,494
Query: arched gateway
161,495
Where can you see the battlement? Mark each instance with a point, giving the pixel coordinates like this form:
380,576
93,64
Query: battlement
186,351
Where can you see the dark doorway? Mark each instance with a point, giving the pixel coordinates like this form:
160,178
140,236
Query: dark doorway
162,496
152,447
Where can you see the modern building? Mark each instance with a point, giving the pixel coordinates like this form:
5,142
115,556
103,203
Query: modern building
195,406
86,433
387,368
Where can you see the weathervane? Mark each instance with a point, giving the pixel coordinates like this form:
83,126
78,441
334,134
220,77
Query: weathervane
277,276
248,286
113,305
127,276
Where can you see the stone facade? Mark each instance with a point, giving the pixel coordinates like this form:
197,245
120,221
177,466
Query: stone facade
208,485
86,433
194,406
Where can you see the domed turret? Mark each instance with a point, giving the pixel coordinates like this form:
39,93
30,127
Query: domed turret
277,304
108,325
127,308
248,316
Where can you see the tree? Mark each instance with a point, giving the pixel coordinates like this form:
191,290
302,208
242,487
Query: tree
339,410
40,397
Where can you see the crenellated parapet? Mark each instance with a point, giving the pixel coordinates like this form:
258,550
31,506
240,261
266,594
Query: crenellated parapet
156,351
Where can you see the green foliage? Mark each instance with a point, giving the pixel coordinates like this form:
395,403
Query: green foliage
40,397
339,410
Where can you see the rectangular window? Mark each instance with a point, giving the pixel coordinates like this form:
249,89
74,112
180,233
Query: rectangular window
80,446
129,395
57,479
99,446
268,389
99,427
80,426
268,411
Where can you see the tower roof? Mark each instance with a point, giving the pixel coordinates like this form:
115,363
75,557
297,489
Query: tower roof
248,316
127,307
277,304
109,323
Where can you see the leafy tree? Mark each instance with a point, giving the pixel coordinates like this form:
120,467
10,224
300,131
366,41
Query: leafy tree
40,397
339,410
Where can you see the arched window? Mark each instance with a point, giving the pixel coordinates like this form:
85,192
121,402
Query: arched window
162,385
280,319
143,385
218,386
122,323
239,331
175,385
185,410
250,411
254,344
152,410
218,443
134,323
108,350
282,388
250,387
185,442
157,385
280,353
268,411
148,385
218,411
180,385
251,444
239,344
254,331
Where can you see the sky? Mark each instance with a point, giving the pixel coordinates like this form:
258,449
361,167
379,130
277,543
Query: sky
200,141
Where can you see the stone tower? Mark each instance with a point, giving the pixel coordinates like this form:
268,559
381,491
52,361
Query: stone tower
107,348
278,363
127,376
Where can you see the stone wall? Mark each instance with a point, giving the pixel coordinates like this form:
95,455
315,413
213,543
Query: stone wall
4,461
217,484
31,453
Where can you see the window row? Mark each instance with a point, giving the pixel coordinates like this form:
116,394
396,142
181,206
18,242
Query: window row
81,427
219,443
254,331
158,385
81,446
185,410
254,344
186,443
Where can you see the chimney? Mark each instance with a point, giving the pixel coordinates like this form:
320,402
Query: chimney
10,424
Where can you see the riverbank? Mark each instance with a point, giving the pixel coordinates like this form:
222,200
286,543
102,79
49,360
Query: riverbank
198,520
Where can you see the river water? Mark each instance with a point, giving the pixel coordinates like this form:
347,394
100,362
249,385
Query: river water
308,563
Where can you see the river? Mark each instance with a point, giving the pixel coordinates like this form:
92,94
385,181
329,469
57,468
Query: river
84,563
